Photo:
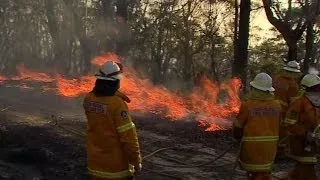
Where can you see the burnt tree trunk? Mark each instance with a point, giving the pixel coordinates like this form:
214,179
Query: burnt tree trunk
86,46
58,59
293,51
241,55
187,50
123,28
157,61
213,63
235,27
309,56
107,10
52,24
122,9
108,17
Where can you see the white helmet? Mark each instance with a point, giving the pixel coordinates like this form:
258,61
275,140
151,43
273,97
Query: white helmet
310,80
262,82
109,71
292,66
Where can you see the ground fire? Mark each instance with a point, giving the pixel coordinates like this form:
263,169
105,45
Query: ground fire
202,104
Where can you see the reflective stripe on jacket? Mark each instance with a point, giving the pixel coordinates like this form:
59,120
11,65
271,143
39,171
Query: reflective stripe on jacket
301,119
115,175
112,142
260,120
305,159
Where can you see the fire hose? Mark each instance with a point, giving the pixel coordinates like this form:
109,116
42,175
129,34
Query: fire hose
82,134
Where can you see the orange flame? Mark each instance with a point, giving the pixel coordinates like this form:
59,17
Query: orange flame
202,103
3,78
26,74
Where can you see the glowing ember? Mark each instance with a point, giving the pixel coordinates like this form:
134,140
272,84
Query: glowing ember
145,97
74,87
25,74
2,78
209,126
100,60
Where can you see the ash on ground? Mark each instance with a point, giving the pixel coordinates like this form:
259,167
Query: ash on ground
32,147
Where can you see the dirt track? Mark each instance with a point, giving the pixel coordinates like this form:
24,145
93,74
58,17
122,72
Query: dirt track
31,146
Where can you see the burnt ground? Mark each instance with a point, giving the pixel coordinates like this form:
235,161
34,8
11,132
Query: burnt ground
31,147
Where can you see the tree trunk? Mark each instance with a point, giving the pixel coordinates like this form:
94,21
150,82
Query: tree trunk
236,25
123,28
157,63
53,30
107,10
122,9
188,57
309,56
241,57
80,33
293,51
213,63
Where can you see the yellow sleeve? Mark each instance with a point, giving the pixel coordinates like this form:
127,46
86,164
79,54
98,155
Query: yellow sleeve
240,122
127,133
292,114
293,125
242,117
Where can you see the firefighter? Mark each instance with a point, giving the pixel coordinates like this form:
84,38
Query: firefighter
286,84
112,144
257,125
302,124
286,89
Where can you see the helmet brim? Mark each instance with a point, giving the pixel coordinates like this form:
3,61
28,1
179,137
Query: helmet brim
261,88
112,78
291,69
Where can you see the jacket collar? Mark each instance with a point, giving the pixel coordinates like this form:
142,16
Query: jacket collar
261,95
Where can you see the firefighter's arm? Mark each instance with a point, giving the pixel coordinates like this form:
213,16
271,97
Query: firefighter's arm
128,135
291,122
240,122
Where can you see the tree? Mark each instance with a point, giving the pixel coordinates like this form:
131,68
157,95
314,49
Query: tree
241,54
291,23
310,40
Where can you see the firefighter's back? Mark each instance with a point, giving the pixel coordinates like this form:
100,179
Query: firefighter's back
285,89
261,133
103,145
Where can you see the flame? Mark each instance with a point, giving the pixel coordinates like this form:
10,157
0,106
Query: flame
26,74
74,87
100,60
3,78
202,103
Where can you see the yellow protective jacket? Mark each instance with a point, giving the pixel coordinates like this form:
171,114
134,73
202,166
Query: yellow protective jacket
112,142
302,118
286,88
259,119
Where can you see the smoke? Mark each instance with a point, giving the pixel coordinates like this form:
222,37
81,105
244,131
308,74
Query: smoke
313,70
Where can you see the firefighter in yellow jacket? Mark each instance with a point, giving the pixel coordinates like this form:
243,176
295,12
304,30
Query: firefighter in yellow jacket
257,126
303,125
286,89
112,144
286,84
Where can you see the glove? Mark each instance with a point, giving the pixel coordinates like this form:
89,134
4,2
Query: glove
137,169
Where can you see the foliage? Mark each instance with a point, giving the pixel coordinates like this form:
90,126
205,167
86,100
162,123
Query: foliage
169,41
